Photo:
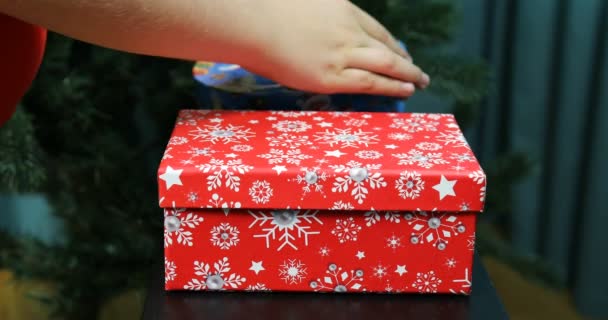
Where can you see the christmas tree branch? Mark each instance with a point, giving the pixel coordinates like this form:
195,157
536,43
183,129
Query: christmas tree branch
21,164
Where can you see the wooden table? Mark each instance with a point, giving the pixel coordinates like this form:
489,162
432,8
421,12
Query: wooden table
483,303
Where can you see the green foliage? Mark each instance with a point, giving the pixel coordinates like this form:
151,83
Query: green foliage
89,136
21,166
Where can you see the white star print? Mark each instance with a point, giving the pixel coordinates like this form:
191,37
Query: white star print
256,267
335,153
279,169
171,177
231,155
445,188
401,270
216,120
253,121
360,255
325,124
390,146
318,118
271,118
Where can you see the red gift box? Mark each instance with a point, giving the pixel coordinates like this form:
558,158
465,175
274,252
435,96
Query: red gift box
319,201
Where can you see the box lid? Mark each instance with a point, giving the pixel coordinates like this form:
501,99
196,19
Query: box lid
319,160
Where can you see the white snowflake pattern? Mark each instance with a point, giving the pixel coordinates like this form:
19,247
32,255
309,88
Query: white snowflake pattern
392,216
337,279
458,167
170,273
393,242
177,221
175,141
287,140
471,242
216,278
399,136
453,137
462,157
424,160
482,194
257,287
451,263
224,236
428,146
434,116
339,205
339,114
427,282
293,114
218,133
311,179
224,173
480,178
436,228
294,156
167,153
285,226
465,283
347,138
346,230
191,117
380,271
292,271
324,251
241,148
355,123
372,217
409,184
358,176
217,201
464,207
192,197
200,152
260,191
368,154
414,124
291,126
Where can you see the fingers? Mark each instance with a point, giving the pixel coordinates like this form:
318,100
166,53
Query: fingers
360,81
379,32
386,63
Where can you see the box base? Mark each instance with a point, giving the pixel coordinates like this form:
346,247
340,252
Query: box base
319,251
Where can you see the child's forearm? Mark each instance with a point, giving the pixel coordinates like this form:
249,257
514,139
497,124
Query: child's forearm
323,46
182,29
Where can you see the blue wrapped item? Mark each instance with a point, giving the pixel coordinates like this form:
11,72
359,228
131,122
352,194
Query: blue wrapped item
229,86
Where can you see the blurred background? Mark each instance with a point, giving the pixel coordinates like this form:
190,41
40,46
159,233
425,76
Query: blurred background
80,226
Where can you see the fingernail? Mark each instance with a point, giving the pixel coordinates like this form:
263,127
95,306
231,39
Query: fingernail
425,80
408,87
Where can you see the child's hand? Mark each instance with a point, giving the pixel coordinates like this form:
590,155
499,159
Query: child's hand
330,46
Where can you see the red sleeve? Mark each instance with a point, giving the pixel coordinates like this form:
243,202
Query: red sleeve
22,50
